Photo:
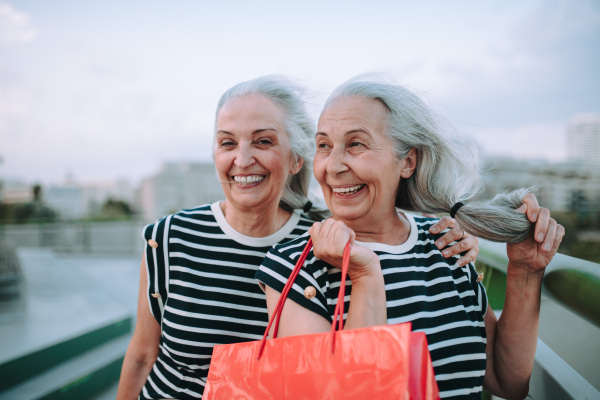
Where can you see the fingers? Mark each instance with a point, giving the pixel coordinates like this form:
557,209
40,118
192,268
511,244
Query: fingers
530,207
443,223
453,235
541,226
470,256
330,237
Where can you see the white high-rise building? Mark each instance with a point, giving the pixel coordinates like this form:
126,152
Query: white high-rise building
584,139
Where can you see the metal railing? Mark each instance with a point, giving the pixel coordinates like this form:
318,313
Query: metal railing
569,282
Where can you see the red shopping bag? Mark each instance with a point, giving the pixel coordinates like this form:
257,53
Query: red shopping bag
379,362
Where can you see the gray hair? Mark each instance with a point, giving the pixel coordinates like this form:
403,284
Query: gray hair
299,126
447,165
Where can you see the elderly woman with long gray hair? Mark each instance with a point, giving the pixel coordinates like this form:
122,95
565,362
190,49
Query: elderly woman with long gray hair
381,152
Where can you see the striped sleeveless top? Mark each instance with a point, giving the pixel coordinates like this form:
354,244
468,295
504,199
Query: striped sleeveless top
202,291
422,287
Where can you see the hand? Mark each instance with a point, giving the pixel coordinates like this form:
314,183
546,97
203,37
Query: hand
465,241
330,238
535,252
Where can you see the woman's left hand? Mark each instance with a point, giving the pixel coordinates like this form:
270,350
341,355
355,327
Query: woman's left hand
465,242
535,252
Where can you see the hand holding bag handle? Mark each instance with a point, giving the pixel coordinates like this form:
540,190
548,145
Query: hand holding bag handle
338,314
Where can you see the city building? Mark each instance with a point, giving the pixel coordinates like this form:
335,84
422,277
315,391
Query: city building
558,186
176,186
583,134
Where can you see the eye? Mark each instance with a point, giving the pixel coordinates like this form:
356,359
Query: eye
264,142
355,144
227,143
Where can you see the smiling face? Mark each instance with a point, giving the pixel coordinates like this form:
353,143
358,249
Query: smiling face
252,152
355,162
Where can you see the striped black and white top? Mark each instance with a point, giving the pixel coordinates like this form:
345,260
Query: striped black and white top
440,298
201,289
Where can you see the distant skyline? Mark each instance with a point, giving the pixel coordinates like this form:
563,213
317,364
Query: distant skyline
110,90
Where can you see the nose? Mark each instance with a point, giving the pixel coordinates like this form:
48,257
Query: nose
244,156
336,163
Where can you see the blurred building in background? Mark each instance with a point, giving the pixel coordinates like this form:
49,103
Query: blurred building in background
177,186
583,135
565,187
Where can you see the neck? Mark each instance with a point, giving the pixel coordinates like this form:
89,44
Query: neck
390,228
255,222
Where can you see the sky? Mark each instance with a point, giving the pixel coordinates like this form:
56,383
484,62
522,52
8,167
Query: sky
106,90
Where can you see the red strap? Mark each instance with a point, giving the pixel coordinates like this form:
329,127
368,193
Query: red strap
339,308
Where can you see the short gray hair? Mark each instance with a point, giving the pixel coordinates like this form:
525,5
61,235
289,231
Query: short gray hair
299,126
447,165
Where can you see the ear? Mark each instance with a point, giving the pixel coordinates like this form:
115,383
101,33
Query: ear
297,166
408,164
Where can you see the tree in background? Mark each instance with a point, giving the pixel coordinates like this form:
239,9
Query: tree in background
31,212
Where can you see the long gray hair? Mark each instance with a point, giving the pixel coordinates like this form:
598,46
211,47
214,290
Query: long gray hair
447,165
299,127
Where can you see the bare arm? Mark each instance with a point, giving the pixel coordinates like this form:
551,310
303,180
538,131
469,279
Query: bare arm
512,339
368,303
143,348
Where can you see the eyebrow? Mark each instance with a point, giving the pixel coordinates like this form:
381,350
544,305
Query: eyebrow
353,131
261,130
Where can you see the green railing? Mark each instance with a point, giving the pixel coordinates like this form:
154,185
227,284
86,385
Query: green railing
569,282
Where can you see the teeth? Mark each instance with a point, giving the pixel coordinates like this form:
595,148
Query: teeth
346,191
247,180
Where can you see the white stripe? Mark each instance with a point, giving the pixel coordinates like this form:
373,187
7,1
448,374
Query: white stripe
452,325
212,261
454,342
210,317
156,287
229,250
166,253
429,314
459,375
212,331
420,298
196,221
192,343
460,392
212,275
184,365
242,293
221,236
459,358
213,303
198,212
182,378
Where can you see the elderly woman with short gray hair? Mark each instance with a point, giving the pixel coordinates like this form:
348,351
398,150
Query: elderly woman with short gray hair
380,153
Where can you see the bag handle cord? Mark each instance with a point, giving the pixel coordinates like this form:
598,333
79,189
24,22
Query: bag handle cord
338,315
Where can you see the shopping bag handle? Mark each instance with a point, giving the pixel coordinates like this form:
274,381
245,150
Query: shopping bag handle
338,315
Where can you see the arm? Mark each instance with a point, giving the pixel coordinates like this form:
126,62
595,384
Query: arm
143,348
512,340
368,304
465,242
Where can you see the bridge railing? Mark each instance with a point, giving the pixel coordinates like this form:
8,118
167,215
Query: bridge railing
569,282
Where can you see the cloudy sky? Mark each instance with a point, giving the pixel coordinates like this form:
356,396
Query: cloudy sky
104,90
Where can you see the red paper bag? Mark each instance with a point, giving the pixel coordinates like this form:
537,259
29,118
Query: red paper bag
380,362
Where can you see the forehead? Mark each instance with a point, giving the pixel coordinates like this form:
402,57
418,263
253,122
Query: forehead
355,112
250,111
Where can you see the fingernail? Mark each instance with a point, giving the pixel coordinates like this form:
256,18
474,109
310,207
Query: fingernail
438,244
433,229
534,217
540,237
547,247
445,253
